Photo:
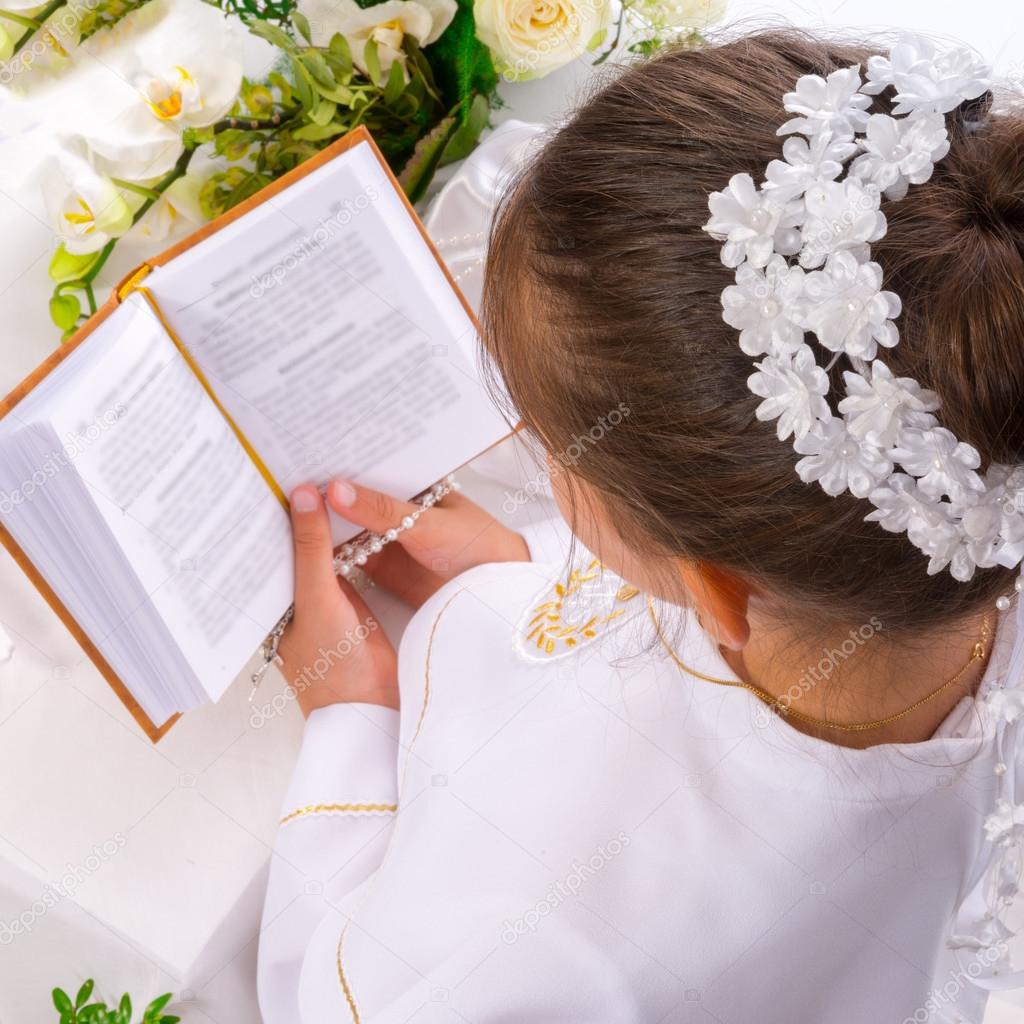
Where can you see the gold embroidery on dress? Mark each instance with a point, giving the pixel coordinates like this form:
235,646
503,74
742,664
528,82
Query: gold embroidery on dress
318,809
550,628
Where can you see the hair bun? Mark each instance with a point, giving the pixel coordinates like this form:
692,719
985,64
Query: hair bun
955,254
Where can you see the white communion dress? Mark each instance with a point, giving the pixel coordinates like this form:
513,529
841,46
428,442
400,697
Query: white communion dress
564,825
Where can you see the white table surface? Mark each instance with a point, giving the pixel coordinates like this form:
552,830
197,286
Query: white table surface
172,901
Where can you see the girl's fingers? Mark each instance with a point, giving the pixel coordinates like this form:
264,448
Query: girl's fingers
316,585
367,508
397,571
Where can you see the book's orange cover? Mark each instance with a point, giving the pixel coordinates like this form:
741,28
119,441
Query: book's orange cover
153,730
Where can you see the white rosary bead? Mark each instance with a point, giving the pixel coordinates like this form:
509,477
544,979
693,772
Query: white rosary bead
345,568
375,545
999,768
407,523
391,535
1003,603
360,559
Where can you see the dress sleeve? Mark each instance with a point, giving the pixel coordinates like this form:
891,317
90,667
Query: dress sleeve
335,826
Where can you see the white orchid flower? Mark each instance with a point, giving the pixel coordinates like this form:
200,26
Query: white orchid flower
177,210
85,207
387,24
137,86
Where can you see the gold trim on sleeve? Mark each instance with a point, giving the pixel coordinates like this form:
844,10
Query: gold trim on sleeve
313,809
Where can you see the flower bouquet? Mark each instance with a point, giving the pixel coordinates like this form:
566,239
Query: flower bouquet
149,123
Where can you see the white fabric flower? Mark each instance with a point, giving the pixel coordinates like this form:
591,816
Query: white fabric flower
840,216
761,305
1006,705
878,408
834,104
839,461
387,24
901,506
1005,824
925,80
750,222
806,161
86,209
942,464
900,152
792,387
846,308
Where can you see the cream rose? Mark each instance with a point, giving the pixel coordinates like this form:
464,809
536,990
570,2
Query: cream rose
530,38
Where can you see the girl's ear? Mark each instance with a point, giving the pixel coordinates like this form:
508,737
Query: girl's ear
720,599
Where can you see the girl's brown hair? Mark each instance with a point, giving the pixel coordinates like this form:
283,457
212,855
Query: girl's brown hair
602,289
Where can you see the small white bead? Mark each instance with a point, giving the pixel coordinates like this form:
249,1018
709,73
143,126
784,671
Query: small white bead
999,768
760,219
375,545
1018,584
360,559
407,523
1003,603
391,535
345,568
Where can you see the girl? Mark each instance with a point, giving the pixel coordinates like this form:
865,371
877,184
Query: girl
755,758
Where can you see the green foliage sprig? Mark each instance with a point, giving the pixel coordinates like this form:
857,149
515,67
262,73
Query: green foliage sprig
81,1011
423,114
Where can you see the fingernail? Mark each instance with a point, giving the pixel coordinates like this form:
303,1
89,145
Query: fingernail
343,493
305,499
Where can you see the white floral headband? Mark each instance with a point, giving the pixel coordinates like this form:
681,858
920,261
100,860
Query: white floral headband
801,246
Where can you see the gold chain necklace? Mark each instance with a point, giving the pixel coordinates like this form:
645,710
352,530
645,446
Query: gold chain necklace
978,654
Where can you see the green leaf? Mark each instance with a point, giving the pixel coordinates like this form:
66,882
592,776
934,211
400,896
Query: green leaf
339,94
168,1019
124,1010
301,22
461,63
420,169
317,67
83,994
158,1004
341,51
94,1013
303,83
395,85
324,113
372,61
60,998
66,266
464,139
273,34
318,132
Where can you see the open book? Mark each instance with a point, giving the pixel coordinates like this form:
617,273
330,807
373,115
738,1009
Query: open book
312,332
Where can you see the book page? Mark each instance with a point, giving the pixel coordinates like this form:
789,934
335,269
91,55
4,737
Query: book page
201,529
328,330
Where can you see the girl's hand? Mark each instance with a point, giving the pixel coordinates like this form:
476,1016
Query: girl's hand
447,539
333,651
